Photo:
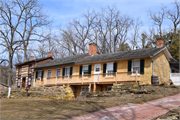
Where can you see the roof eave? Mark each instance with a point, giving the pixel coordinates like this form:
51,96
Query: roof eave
53,65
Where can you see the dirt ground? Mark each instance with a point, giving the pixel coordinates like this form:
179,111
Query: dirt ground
173,114
65,109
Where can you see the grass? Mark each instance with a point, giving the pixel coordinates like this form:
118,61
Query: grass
26,108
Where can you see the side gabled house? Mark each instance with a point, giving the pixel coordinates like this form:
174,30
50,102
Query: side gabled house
94,72
24,73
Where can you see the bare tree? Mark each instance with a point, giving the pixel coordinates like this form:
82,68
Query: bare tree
158,18
8,39
135,35
32,21
174,16
83,29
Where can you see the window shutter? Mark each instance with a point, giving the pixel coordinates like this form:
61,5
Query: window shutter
80,70
63,73
115,67
129,66
89,69
71,70
142,66
104,68
42,72
36,75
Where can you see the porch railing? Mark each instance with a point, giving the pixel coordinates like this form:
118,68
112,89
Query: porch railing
90,78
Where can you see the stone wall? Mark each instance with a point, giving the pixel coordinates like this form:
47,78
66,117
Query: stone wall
55,92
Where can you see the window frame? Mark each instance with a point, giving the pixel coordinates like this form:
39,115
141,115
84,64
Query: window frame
29,82
47,73
59,72
109,70
19,81
132,66
86,87
83,69
29,69
69,67
40,71
108,87
19,70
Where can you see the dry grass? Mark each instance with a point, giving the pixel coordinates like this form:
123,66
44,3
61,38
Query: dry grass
65,109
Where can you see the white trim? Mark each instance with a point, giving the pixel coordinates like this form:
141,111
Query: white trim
59,73
83,67
132,66
47,73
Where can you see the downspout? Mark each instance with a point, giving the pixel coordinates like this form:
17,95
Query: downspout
9,91
152,65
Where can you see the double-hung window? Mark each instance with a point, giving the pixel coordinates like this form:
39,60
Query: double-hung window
39,74
136,66
109,69
48,73
57,72
29,81
19,81
85,70
67,71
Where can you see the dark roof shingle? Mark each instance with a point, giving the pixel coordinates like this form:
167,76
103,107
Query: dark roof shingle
122,55
62,61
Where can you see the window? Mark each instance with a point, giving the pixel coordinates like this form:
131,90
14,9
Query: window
29,81
109,69
48,73
85,70
30,68
19,82
58,72
136,65
39,74
109,88
84,89
19,70
97,69
67,71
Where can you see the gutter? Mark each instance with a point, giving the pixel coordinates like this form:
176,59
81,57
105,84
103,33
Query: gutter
152,66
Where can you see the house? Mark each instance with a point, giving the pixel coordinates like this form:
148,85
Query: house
24,73
98,72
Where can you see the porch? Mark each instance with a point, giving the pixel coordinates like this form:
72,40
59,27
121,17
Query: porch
101,78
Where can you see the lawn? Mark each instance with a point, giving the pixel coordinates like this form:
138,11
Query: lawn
27,108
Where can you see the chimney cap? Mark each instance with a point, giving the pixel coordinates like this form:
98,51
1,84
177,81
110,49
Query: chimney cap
159,38
92,43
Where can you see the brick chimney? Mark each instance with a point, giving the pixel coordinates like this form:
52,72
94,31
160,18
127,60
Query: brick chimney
160,42
32,57
93,49
50,54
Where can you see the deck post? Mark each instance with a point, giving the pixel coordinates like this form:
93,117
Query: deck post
40,81
94,86
82,79
56,81
116,77
136,75
98,78
68,79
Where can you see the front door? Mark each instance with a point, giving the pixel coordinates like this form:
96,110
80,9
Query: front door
23,82
97,70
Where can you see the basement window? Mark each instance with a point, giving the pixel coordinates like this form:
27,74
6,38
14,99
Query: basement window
109,88
84,89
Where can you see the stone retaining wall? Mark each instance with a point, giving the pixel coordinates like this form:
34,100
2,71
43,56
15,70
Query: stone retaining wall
54,92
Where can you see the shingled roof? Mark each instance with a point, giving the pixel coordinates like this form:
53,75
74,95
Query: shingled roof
123,55
62,61
35,60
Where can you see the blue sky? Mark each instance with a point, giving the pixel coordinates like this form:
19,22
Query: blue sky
63,11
